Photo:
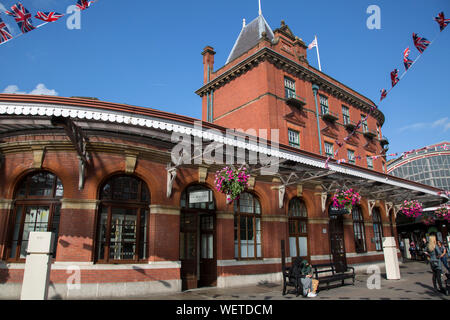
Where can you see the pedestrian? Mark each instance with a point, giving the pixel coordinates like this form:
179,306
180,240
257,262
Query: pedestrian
309,284
412,250
444,257
434,255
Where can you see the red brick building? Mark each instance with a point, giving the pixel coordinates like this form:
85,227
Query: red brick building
130,221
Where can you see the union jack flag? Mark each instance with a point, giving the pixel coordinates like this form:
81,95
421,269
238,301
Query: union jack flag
48,16
83,4
383,94
394,77
4,32
406,61
22,16
340,144
420,43
442,21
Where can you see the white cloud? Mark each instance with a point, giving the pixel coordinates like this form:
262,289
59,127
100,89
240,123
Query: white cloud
13,89
440,123
40,89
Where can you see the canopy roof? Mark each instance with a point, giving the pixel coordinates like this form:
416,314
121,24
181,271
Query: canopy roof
25,114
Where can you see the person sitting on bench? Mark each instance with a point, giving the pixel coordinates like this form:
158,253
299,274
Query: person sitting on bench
308,283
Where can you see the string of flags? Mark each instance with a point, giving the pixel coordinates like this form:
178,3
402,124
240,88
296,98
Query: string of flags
23,19
396,154
421,45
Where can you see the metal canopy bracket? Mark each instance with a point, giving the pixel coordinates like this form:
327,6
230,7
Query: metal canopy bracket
389,207
79,141
171,175
371,204
323,197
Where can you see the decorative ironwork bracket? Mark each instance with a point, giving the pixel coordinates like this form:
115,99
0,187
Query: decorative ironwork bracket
371,204
389,207
171,175
79,141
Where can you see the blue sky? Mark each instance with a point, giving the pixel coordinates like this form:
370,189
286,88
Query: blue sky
149,54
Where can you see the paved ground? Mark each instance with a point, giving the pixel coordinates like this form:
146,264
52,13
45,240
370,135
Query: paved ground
415,284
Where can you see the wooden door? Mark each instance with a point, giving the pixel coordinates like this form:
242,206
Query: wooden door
188,250
337,242
208,262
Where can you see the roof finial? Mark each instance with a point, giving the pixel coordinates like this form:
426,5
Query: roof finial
243,23
260,11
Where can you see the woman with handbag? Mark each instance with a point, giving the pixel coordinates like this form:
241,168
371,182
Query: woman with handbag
434,255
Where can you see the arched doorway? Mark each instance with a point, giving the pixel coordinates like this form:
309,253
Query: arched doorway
337,240
198,238
37,208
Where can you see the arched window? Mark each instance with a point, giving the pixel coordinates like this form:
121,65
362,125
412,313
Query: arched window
247,227
37,208
298,228
377,228
122,227
358,230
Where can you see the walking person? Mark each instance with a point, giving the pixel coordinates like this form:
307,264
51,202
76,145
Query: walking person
434,255
444,257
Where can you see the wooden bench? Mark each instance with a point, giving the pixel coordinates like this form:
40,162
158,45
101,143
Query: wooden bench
334,276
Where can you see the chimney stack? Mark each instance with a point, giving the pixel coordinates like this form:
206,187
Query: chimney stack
208,63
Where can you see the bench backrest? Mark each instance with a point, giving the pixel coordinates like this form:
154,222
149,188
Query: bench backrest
324,267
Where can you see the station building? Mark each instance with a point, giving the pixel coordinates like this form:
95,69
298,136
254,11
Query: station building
431,166
129,221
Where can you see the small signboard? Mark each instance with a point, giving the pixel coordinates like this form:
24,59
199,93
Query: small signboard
200,196
337,211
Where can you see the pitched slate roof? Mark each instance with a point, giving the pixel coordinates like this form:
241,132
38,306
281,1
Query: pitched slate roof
249,37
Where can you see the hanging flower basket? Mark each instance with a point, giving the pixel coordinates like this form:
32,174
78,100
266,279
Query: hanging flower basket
412,209
442,213
428,219
346,199
231,182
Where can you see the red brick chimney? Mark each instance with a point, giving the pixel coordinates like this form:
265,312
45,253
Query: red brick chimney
208,63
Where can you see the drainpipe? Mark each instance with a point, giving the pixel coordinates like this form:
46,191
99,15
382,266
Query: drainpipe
315,88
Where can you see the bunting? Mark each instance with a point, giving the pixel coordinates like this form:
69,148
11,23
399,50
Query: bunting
22,16
420,43
440,19
383,94
48,16
23,19
83,4
394,77
406,61
5,35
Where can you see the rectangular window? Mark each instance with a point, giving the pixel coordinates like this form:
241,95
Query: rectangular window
323,104
346,115
329,150
289,88
351,156
369,162
364,124
294,138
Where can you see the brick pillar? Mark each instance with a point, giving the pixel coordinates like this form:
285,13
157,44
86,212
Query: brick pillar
225,235
76,230
164,235
5,209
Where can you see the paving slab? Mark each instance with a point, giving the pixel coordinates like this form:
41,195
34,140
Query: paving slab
415,284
